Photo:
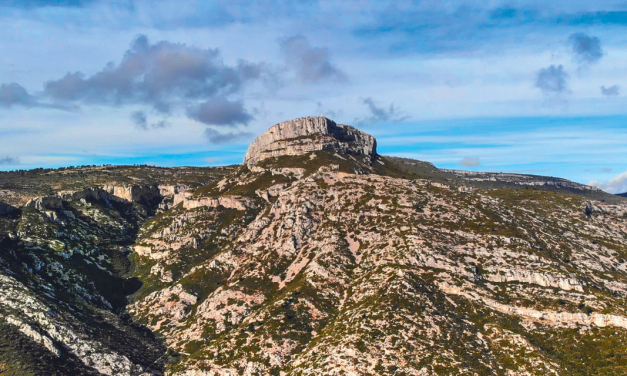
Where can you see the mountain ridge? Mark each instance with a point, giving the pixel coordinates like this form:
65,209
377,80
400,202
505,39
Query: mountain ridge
325,261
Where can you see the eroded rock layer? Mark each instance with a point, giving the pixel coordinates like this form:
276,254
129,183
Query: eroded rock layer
304,135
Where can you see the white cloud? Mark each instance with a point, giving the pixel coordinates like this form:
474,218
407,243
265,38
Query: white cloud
617,184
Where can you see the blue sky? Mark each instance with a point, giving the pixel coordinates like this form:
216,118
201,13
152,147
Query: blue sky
525,86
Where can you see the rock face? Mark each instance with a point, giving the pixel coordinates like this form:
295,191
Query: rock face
134,193
304,135
48,202
123,193
230,202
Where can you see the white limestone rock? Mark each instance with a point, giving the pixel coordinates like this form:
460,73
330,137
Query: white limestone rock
134,193
304,135
46,202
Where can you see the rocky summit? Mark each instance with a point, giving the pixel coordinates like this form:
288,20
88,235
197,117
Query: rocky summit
317,256
304,135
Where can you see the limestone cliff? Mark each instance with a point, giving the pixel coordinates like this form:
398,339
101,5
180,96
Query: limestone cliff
304,135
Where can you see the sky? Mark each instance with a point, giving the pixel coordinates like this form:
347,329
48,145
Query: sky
521,86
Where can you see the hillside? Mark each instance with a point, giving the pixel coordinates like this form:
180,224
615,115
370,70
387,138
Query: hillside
318,256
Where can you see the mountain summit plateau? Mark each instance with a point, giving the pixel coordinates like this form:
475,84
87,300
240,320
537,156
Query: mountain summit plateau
304,135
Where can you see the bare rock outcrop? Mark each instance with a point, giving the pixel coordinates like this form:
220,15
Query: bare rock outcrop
90,192
120,193
134,193
304,135
171,190
46,202
229,202
589,208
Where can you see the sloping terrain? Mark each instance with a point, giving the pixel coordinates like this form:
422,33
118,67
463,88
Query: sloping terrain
328,272
65,271
322,261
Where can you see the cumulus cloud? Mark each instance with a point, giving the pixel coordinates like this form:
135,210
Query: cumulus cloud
9,160
167,77
470,162
586,49
14,94
216,137
311,64
617,184
159,75
552,80
611,91
380,114
220,111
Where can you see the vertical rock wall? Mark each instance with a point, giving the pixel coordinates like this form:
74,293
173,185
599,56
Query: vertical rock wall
286,138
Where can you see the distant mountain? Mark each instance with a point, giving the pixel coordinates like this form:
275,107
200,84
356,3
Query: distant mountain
318,256
623,194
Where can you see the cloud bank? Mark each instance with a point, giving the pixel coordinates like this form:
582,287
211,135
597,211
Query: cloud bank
167,78
159,75
615,185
